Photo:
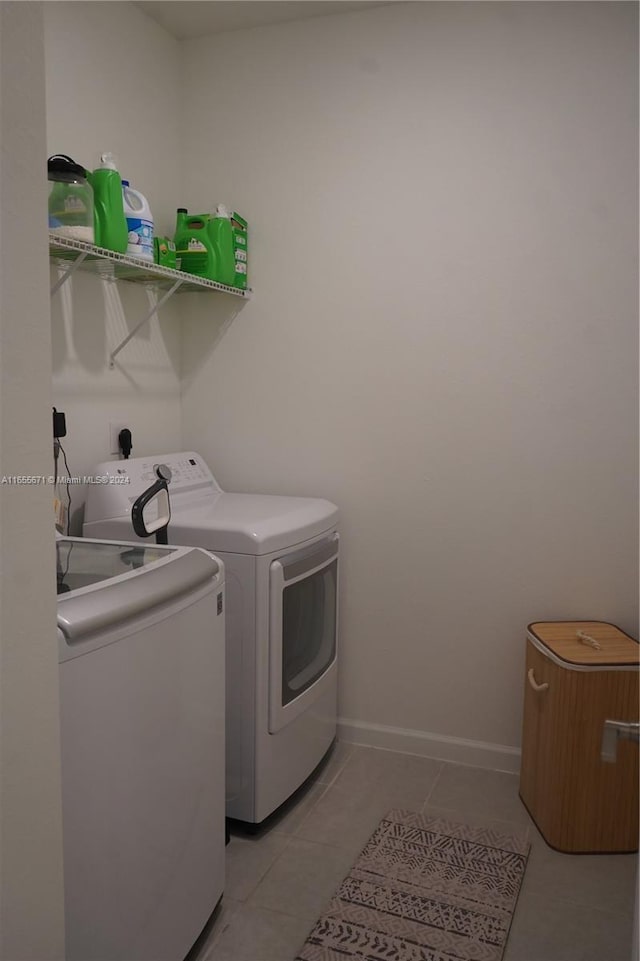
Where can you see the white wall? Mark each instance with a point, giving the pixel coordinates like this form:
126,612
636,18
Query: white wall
31,894
113,83
443,210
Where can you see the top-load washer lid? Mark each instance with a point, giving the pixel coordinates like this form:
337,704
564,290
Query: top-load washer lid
80,563
102,585
202,515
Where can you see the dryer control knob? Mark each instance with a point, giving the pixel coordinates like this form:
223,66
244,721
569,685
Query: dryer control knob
163,472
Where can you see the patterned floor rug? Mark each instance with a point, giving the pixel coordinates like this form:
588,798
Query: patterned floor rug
423,889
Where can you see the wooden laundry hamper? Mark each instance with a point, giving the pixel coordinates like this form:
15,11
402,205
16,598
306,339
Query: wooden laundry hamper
579,802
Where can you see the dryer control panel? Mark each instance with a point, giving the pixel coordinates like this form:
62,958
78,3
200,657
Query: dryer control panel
118,483
184,471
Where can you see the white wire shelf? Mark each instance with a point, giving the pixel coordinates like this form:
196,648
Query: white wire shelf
76,254
72,255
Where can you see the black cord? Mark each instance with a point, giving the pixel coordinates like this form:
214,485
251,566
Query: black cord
62,586
68,485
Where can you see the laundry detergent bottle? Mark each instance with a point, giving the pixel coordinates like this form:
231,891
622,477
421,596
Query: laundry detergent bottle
109,218
139,223
221,234
193,244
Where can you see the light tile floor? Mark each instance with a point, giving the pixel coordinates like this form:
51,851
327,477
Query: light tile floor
571,907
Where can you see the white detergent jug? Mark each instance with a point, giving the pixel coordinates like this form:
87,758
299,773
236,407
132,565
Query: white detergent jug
139,223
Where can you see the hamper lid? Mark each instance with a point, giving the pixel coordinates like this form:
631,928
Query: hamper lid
593,643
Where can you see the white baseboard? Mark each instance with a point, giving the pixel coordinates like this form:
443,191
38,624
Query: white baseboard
495,757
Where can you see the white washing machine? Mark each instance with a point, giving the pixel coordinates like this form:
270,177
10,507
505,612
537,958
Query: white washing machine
281,566
141,654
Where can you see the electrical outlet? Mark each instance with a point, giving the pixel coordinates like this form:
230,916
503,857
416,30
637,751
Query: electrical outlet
114,430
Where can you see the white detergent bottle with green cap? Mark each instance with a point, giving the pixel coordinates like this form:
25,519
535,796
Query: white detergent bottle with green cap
221,234
139,223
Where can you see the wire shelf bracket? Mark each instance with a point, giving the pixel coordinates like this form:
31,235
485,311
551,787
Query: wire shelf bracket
154,310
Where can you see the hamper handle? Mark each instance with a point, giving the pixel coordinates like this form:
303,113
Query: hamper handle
534,684
587,639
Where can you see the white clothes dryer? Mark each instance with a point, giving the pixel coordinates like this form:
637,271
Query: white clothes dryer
281,557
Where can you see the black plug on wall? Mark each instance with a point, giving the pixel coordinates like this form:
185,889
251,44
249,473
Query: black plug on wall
124,439
59,424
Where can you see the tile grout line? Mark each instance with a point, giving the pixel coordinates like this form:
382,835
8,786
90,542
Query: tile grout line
219,929
260,878
584,906
291,839
327,787
340,769
500,824
253,907
433,786
303,820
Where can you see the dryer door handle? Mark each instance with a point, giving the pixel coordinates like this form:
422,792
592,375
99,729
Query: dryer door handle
303,563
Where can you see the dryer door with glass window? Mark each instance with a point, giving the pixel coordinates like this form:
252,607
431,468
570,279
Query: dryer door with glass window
303,628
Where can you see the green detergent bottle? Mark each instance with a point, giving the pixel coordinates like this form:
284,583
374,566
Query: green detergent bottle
194,249
110,221
221,234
